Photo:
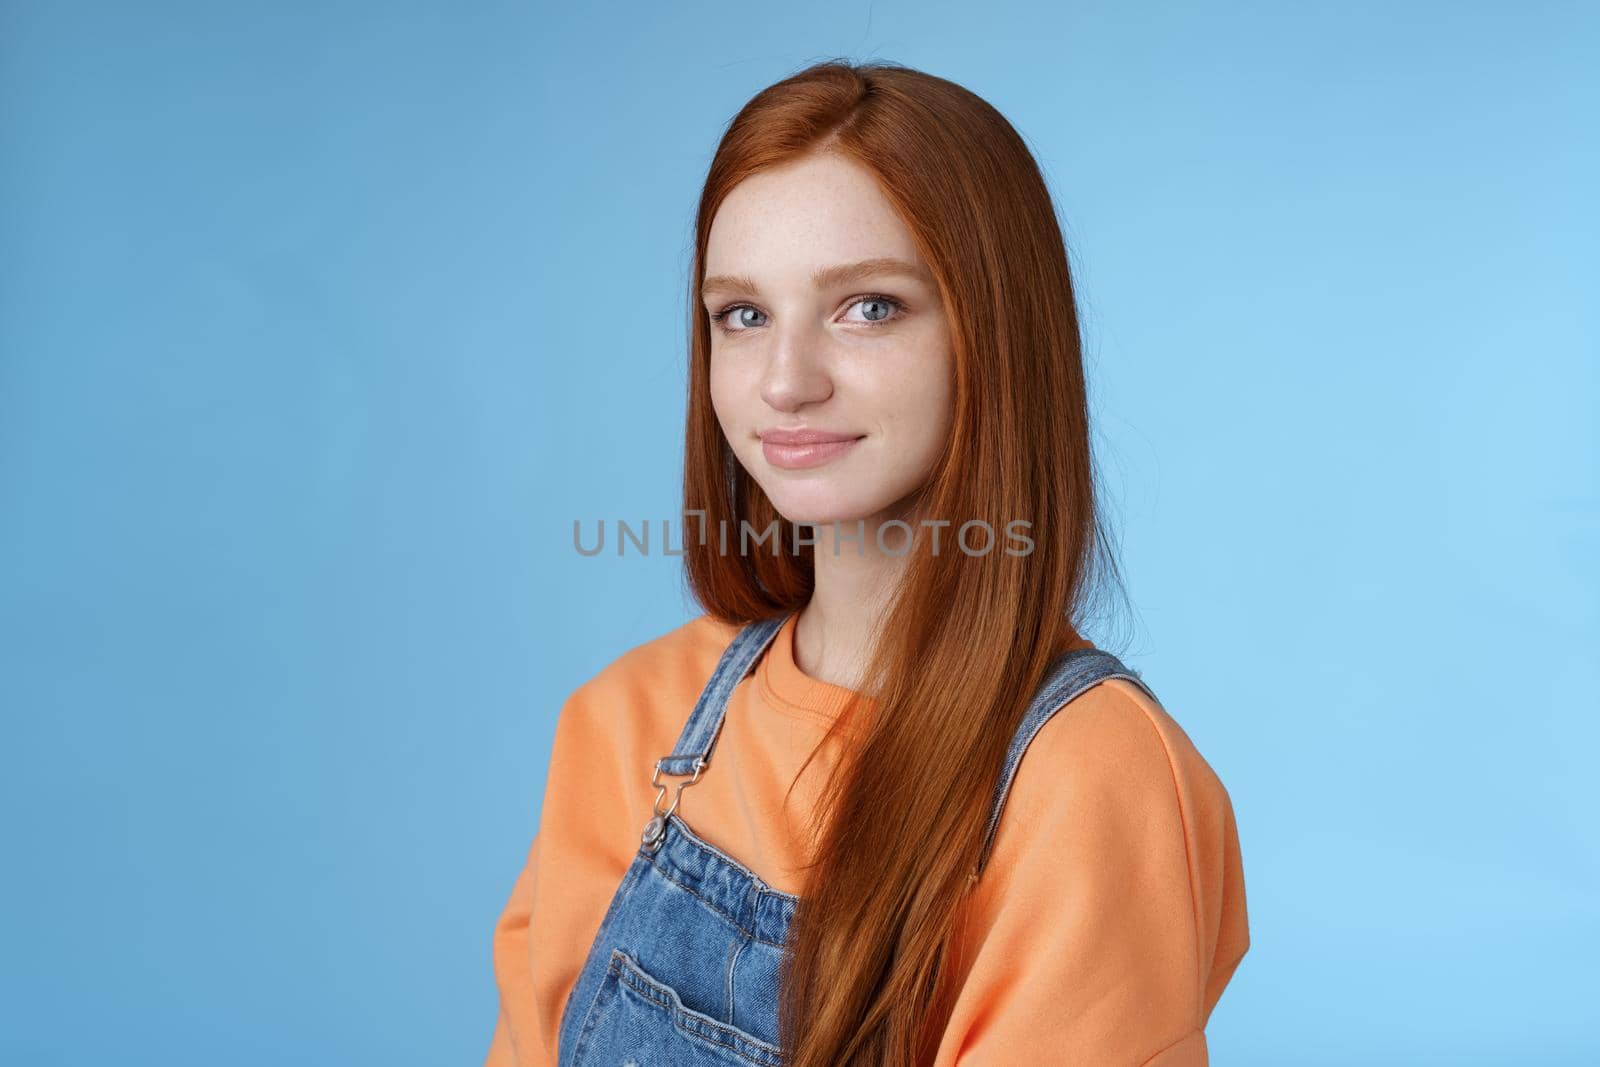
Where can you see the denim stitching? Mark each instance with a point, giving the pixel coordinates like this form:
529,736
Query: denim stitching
591,1018
695,1023
630,879
733,922
728,989
755,879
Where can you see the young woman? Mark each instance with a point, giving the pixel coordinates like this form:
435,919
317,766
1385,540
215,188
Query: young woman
881,803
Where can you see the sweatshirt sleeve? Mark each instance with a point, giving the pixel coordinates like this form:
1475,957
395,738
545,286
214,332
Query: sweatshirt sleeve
574,864
512,972
1112,912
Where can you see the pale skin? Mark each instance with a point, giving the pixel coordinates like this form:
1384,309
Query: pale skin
821,329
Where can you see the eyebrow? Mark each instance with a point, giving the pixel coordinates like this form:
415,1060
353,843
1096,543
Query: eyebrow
826,277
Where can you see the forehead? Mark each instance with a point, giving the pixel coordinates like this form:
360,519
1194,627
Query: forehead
811,212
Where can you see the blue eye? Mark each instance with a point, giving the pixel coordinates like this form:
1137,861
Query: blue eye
887,305
737,318
735,312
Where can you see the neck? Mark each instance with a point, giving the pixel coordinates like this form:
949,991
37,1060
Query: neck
851,592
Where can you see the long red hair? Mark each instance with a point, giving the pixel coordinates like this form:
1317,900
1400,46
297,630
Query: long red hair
966,639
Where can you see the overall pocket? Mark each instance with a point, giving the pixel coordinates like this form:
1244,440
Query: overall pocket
637,1016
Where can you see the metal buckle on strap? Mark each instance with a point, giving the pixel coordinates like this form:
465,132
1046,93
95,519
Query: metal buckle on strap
656,828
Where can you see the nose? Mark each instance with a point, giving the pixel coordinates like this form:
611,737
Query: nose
797,371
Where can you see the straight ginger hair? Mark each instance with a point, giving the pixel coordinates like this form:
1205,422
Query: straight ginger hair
965,640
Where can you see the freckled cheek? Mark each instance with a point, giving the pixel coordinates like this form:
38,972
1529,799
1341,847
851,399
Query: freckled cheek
733,394
730,417
733,374
912,405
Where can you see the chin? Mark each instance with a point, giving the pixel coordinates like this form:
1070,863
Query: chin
808,508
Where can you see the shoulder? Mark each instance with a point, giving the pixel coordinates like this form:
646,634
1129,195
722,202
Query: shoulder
1113,767
610,731
683,655
1115,735
1122,795
1116,873
650,686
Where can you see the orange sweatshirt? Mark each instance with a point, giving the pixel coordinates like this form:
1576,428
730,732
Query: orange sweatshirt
1108,920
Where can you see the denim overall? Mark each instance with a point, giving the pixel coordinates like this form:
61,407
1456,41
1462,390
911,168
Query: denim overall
684,968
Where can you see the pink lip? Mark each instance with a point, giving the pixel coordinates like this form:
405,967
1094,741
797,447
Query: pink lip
797,449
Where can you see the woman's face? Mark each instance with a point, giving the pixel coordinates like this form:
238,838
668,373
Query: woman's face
825,318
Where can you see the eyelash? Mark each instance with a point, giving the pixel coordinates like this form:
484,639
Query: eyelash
718,318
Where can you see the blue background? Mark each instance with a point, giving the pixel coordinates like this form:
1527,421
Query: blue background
320,324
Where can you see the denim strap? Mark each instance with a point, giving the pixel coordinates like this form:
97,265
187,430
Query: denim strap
705,721
1073,672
